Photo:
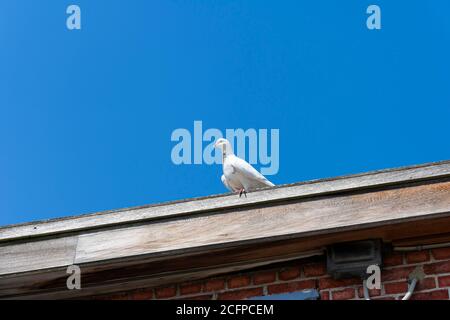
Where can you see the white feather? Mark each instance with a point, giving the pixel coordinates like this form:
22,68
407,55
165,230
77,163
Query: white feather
238,174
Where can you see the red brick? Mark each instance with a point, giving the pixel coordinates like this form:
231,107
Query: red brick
372,292
325,295
238,282
393,259
441,253
396,273
425,284
190,288
142,294
314,270
395,287
444,281
326,283
345,294
264,277
402,287
438,267
291,286
240,294
200,297
433,295
214,285
167,292
289,274
417,256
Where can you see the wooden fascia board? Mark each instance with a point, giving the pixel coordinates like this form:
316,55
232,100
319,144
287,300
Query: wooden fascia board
226,201
284,220
119,276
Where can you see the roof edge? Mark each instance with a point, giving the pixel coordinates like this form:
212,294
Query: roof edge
180,208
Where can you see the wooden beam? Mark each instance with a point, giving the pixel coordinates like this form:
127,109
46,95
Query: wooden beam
194,239
50,253
285,220
148,272
226,201
278,221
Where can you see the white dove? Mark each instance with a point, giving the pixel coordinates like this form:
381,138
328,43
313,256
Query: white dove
238,174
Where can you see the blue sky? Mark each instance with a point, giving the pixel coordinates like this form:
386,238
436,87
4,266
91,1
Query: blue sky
86,116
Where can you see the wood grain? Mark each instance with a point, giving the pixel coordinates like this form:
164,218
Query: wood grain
281,221
204,232
199,238
117,276
227,201
37,255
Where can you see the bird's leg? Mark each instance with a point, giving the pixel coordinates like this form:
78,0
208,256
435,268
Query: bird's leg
242,192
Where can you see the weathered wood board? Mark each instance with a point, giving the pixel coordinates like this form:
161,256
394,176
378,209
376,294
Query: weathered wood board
285,220
221,202
289,219
197,238
37,255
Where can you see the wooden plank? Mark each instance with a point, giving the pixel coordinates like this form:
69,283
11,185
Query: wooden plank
40,282
227,201
130,284
53,284
289,219
147,272
425,240
50,253
279,221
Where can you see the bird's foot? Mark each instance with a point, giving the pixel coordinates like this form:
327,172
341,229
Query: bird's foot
242,192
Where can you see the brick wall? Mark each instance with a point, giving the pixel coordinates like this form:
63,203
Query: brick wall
311,274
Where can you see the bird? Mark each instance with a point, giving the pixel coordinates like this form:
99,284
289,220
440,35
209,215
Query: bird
238,174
